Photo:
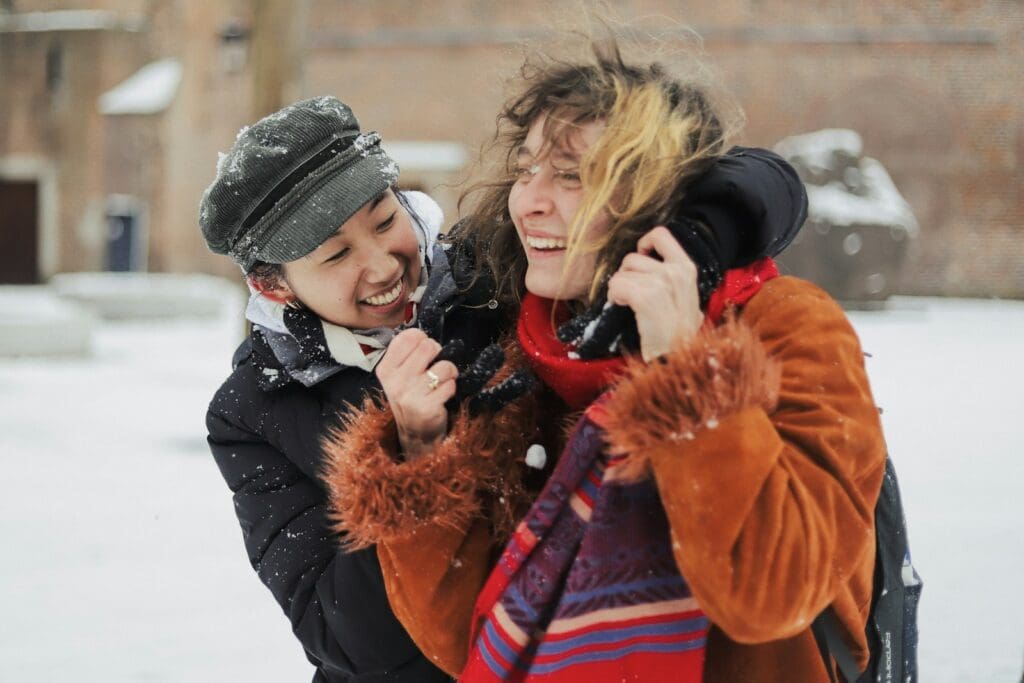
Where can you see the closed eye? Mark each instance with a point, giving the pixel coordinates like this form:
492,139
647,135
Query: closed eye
568,178
388,222
522,173
525,166
338,256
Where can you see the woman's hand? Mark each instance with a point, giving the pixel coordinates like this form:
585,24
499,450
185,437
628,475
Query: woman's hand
417,388
659,282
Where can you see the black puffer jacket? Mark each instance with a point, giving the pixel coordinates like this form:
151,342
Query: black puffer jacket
265,438
266,441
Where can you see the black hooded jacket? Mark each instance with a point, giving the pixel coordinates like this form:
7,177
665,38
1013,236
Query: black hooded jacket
265,437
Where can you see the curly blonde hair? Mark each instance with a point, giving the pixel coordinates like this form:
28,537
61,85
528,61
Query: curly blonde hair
659,134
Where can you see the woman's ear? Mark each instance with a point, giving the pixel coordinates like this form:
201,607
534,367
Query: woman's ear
272,286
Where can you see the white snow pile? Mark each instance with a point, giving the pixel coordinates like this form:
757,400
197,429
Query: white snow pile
69,20
36,322
149,295
817,151
881,204
844,188
150,90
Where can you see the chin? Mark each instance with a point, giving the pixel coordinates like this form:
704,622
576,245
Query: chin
542,286
547,280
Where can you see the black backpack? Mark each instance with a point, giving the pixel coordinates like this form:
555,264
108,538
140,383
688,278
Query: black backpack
892,623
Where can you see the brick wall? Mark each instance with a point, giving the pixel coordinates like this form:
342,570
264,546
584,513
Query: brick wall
933,87
53,119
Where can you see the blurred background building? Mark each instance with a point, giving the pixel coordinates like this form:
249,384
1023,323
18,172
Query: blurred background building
112,112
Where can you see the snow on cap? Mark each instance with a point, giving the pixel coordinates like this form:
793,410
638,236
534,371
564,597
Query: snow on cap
290,181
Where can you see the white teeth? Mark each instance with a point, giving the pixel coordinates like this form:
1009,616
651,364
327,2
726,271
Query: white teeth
545,242
385,298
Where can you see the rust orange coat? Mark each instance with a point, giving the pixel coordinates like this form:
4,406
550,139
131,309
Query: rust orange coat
771,509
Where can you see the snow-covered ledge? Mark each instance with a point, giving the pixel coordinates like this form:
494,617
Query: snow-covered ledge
37,322
150,90
150,296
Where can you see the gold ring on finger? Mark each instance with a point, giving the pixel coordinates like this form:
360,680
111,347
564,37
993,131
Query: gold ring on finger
433,380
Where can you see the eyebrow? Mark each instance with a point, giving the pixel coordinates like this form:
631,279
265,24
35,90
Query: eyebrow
558,152
565,154
335,254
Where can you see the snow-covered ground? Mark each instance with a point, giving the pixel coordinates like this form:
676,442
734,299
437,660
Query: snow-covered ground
122,560
949,375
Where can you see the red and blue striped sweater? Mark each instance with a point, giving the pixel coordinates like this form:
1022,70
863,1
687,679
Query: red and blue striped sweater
587,589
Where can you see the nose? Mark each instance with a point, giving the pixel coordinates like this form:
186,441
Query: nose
382,266
533,196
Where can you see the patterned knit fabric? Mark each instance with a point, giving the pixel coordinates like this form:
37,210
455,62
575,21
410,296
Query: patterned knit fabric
588,590
600,597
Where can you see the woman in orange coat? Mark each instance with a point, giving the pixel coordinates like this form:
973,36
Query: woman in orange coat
716,491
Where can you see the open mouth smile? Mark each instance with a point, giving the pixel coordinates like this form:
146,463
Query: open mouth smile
385,298
545,243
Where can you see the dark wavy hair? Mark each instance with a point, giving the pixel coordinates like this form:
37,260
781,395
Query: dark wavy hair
660,133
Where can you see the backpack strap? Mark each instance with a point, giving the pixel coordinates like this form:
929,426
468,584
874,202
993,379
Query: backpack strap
891,629
819,638
832,646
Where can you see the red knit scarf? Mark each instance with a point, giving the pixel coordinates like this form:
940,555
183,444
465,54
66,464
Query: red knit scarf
579,382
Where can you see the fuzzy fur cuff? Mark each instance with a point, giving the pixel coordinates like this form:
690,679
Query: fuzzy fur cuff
477,469
719,372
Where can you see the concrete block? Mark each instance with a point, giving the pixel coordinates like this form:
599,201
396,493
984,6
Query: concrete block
149,296
37,322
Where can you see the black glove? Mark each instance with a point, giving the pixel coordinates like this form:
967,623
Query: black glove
476,373
429,320
602,330
474,376
605,329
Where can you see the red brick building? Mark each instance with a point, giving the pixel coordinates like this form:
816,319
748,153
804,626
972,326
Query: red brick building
934,89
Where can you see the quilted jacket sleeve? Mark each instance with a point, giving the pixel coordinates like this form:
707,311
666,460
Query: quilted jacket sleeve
335,600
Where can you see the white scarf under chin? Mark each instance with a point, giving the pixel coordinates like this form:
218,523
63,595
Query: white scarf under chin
345,345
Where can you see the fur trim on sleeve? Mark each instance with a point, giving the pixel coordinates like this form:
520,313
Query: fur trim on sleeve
478,468
719,372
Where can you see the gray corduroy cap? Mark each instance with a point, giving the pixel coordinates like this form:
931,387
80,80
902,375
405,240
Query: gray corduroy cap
290,181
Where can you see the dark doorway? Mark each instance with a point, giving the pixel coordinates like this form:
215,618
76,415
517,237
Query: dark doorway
126,245
121,243
19,232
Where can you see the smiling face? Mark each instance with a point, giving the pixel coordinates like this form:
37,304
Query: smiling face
542,202
363,275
